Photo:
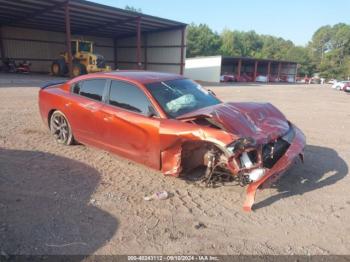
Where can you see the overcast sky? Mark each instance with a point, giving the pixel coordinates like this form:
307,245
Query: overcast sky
295,20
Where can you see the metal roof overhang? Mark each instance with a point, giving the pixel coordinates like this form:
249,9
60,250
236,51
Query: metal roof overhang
86,18
233,59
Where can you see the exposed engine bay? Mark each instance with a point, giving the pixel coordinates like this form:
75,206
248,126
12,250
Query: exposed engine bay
246,161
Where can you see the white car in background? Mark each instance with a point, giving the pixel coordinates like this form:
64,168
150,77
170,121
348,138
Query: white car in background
339,85
261,79
332,81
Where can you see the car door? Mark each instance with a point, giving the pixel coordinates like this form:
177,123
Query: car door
84,109
131,125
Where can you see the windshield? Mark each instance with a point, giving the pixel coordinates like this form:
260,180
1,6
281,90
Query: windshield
181,96
85,47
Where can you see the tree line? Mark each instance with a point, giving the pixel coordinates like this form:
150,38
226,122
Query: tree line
327,53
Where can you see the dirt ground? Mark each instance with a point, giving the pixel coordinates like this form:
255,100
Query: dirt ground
80,200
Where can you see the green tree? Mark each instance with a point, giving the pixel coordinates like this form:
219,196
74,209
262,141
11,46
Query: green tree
321,42
228,44
302,56
133,9
252,44
330,48
202,41
237,43
328,52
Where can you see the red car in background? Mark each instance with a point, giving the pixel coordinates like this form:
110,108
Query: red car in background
346,87
171,124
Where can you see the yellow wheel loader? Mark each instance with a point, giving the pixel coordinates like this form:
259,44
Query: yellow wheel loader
84,60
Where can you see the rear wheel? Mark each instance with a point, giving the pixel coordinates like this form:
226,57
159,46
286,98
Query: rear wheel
61,129
78,69
58,68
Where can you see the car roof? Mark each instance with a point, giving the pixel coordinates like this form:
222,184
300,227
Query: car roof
144,77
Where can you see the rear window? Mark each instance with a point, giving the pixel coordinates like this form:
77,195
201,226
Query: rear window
92,89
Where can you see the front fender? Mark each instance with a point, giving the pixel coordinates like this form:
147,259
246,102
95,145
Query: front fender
174,133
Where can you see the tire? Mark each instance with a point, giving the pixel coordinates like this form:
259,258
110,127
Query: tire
58,67
78,69
61,129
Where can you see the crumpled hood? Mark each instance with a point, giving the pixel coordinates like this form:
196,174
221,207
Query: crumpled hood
261,121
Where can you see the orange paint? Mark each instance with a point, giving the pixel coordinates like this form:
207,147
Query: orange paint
156,141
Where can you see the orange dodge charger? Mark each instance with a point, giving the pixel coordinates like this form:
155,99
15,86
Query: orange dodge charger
170,123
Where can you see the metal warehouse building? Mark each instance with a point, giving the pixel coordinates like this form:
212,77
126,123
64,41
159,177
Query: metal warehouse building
39,30
242,69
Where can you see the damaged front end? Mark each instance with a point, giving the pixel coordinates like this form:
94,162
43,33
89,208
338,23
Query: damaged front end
250,163
251,160
248,143
261,164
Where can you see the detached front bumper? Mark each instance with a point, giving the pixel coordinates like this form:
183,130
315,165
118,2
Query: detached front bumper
295,150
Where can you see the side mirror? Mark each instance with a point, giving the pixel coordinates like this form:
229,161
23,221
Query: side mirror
151,112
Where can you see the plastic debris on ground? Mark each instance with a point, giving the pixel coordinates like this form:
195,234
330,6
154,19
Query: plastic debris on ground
161,195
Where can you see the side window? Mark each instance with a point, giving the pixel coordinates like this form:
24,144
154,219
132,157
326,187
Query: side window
92,89
129,97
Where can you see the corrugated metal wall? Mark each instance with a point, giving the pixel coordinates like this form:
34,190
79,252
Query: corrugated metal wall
126,53
162,49
42,47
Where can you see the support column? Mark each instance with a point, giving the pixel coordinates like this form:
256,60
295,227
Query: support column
115,49
68,38
279,70
182,61
145,51
138,43
255,70
2,47
268,71
239,69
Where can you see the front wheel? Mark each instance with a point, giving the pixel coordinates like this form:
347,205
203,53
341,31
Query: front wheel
58,68
61,129
78,69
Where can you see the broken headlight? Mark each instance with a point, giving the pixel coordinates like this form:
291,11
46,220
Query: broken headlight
241,144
